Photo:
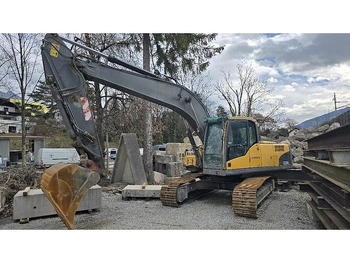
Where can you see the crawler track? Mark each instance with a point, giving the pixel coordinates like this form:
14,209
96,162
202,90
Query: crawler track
168,193
248,194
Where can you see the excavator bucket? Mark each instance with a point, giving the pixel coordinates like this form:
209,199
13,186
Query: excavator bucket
65,185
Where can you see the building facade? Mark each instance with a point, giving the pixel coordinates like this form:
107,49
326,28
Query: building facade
10,118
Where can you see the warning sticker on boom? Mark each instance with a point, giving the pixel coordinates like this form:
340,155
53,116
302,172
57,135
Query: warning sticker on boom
86,108
54,50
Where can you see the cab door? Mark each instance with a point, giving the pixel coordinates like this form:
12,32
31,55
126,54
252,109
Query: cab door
254,146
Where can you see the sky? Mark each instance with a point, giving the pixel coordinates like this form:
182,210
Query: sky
304,69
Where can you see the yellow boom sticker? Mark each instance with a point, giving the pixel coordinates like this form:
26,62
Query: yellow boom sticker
54,50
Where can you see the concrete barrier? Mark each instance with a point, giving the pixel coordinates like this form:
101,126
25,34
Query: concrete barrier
128,166
34,203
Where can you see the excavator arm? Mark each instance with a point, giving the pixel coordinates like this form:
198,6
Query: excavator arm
67,75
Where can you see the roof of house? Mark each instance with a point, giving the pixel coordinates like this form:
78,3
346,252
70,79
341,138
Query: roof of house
6,102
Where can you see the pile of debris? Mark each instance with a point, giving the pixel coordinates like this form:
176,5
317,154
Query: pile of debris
13,180
297,141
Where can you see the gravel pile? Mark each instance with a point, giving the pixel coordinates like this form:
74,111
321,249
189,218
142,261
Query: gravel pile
282,210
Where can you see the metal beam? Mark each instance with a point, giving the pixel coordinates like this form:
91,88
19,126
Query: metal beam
338,138
339,175
330,199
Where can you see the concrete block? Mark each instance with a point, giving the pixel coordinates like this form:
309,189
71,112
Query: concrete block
136,191
161,168
164,159
174,149
159,178
128,166
174,169
158,152
36,204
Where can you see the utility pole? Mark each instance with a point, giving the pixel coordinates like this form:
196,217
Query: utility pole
106,129
335,102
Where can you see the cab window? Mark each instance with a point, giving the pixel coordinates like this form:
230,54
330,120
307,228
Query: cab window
213,146
252,133
237,139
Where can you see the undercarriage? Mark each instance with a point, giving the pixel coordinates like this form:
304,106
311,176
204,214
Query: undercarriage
248,191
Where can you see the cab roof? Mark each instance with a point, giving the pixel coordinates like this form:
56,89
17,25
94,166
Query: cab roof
241,118
219,119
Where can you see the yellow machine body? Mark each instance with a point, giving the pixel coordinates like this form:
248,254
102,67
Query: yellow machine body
259,155
190,160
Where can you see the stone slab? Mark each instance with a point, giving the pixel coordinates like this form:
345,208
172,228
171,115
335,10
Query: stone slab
136,191
36,204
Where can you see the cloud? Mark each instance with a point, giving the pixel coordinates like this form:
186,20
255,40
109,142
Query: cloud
272,80
289,88
304,69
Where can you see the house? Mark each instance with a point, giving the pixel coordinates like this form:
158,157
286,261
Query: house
293,131
265,122
10,118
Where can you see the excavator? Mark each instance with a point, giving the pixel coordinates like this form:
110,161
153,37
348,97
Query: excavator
232,156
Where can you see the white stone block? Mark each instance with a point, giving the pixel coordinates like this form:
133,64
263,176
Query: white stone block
36,204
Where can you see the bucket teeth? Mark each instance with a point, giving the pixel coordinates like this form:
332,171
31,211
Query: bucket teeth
65,185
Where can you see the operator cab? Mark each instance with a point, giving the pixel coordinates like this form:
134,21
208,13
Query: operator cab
227,139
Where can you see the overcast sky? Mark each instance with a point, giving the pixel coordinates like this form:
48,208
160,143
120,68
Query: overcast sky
304,69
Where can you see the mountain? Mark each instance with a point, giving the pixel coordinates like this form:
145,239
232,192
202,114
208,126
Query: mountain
316,121
8,95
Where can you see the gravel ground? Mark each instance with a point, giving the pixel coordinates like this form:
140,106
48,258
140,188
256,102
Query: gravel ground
282,210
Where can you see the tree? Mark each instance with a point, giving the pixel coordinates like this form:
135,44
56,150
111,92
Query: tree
99,95
147,114
174,55
231,93
42,94
248,94
21,52
202,86
220,111
3,68
291,123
